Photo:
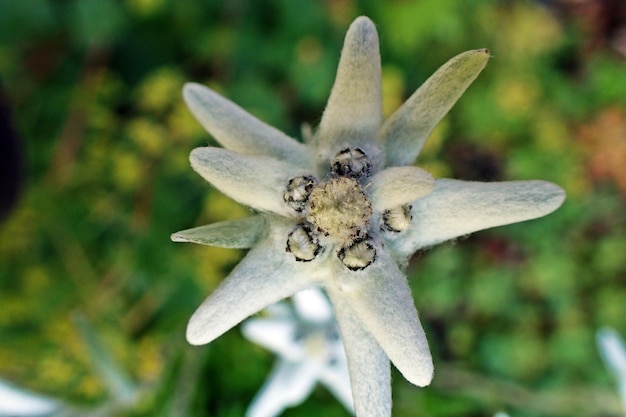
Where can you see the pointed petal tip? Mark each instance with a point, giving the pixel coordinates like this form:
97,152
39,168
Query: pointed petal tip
362,20
194,335
201,329
362,24
553,194
362,32
192,90
474,60
195,155
196,340
425,377
189,86
353,112
202,156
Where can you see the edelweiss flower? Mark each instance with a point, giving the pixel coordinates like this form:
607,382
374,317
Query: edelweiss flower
307,341
345,210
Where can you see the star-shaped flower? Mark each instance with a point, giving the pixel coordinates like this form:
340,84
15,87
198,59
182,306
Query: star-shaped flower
346,210
307,341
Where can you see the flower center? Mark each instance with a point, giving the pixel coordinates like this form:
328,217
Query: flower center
337,212
339,209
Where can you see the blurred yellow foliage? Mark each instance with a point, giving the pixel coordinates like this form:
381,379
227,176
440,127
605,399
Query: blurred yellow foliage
145,7
35,280
150,362
14,311
90,386
211,268
524,32
102,118
96,160
63,333
219,207
551,134
57,371
517,96
160,90
16,233
126,170
151,138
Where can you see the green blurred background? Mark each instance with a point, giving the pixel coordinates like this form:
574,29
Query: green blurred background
86,264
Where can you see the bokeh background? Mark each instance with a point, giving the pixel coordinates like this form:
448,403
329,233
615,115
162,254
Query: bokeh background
95,140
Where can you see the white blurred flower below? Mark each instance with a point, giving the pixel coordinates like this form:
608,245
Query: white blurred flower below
16,402
306,340
613,352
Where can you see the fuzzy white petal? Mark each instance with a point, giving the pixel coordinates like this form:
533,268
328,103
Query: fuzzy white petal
266,275
353,114
273,334
405,131
396,186
288,385
239,233
381,298
370,373
256,181
237,130
455,208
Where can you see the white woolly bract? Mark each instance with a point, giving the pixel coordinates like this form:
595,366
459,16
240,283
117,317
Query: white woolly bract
239,233
381,299
266,275
403,134
456,208
256,181
353,113
239,131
